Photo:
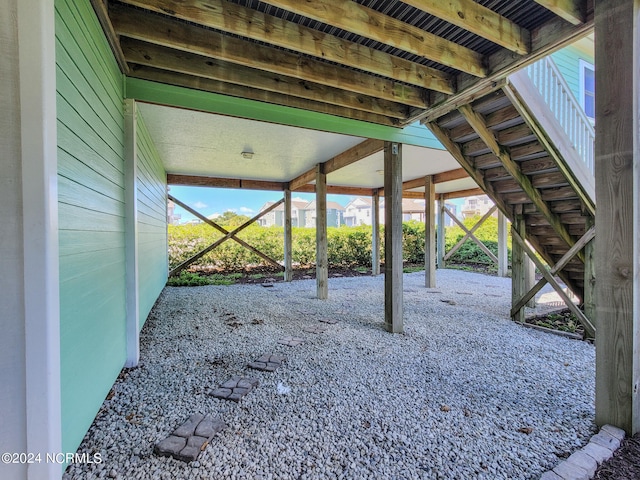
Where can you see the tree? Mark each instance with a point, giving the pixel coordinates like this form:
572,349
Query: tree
231,219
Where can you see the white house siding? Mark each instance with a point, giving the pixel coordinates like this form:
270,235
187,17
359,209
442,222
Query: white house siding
12,341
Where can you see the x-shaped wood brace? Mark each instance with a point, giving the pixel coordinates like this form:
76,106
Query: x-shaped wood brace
469,234
548,276
227,235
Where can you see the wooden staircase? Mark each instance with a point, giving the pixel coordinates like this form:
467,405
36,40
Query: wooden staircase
510,145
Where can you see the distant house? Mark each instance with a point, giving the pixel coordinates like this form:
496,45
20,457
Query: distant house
412,209
358,212
302,214
334,215
476,205
276,216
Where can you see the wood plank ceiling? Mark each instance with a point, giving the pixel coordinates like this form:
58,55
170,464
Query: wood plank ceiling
381,61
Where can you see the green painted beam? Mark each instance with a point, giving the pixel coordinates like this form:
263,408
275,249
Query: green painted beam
170,95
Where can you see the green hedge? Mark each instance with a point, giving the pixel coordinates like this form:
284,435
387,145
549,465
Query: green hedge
347,246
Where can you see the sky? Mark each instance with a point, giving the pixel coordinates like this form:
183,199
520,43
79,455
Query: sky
209,201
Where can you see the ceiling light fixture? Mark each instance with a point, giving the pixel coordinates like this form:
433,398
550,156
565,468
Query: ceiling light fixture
247,154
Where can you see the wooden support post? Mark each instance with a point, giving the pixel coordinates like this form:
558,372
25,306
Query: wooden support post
429,232
518,262
617,168
393,307
375,234
288,238
322,268
589,301
131,233
441,232
503,252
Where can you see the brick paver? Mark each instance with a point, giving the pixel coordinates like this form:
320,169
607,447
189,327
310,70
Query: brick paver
235,388
189,439
315,329
267,363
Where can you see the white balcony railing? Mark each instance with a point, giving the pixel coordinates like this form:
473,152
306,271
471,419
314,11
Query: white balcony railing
556,93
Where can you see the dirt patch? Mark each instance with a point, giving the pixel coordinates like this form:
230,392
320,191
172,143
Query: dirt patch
264,274
625,463
563,321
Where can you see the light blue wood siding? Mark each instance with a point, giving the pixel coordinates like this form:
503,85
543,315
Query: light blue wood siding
568,62
152,222
91,216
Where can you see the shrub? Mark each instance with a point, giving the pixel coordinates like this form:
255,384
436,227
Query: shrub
347,246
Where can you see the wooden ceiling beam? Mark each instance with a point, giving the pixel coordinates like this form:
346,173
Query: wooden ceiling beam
238,183
240,91
369,23
157,56
353,154
480,20
160,30
463,193
338,190
303,179
218,182
349,156
573,11
457,174
248,23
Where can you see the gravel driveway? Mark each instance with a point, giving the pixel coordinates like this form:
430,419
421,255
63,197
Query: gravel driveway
464,393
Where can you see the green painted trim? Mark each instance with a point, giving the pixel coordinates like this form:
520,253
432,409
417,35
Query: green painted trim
152,92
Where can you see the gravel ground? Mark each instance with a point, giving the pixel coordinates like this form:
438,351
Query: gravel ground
464,393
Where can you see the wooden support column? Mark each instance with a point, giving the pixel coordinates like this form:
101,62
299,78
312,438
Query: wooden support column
288,238
617,169
441,231
131,232
518,265
375,234
393,307
503,252
429,232
589,301
322,268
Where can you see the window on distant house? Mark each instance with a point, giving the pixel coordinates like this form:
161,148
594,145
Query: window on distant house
588,89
